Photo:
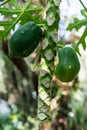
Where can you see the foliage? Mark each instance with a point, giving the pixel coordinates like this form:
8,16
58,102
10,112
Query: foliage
17,13
77,24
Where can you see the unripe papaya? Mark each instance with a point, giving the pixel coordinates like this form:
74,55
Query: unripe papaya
68,66
25,40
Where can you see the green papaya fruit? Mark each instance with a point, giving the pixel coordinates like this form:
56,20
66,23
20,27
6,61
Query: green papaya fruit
25,40
68,66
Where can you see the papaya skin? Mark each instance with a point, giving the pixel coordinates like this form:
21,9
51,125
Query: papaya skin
24,41
68,67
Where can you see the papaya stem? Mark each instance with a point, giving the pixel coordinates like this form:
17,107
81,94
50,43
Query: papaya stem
60,46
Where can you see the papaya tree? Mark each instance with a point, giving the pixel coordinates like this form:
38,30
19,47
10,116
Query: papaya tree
58,63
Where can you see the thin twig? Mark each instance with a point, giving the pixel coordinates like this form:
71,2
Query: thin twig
83,4
4,2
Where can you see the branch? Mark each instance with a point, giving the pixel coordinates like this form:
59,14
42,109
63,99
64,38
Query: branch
83,4
4,2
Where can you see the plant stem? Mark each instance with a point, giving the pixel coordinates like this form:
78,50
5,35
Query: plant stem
60,46
4,2
27,4
83,4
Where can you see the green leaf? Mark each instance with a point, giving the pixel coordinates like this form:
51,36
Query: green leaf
3,23
32,14
8,11
82,39
84,13
15,4
4,2
81,42
17,13
77,24
76,48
